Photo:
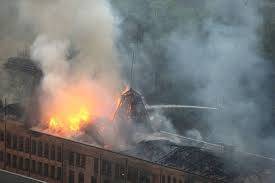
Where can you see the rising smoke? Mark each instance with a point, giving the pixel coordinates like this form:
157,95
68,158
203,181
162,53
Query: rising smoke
75,49
87,27
73,42
209,54
226,61
189,52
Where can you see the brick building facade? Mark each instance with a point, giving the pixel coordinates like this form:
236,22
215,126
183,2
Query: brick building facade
54,159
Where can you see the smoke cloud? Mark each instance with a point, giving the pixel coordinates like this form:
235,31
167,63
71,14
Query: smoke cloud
75,45
208,54
227,65
187,53
86,30
88,27
75,48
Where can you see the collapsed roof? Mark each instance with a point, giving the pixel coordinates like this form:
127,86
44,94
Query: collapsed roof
227,166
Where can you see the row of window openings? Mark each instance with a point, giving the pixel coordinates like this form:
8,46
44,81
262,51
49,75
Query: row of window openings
106,167
106,170
74,158
169,179
80,177
120,172
77,159
36,148
36,167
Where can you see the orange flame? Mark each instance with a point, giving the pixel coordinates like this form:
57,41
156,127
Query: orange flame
73,107
72,121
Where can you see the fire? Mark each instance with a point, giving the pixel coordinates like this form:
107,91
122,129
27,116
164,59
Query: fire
72,121
72,107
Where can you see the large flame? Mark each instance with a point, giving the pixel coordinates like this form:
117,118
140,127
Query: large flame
73,107
73,121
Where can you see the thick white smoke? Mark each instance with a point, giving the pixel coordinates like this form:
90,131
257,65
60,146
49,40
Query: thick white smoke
213,46
75,48
51,57
86,27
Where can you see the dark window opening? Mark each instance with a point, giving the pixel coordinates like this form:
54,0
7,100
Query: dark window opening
144,177
59,153
163,179
78,159
33,147
80,177
96,166
33,167
20,163
174,180
169,179
53,152
117,171
27,145
189,179
8,139
83,161
71,176
52,172
106,168
1,135
39,168
40,148
14,142
46,170
14,161
93,179
8,159
132,174
21,144
46,150
27,164
1,156
59,173
71,158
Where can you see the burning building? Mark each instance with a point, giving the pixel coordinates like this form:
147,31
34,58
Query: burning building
131,115
47,152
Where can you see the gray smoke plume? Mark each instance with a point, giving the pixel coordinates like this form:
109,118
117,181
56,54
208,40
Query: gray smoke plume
75,49
73,42
208,54
88,28
186,52
223,58
14,34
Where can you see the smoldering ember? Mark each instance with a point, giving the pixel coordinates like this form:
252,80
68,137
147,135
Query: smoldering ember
177,91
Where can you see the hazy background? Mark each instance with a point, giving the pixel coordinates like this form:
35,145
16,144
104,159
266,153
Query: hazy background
212,53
